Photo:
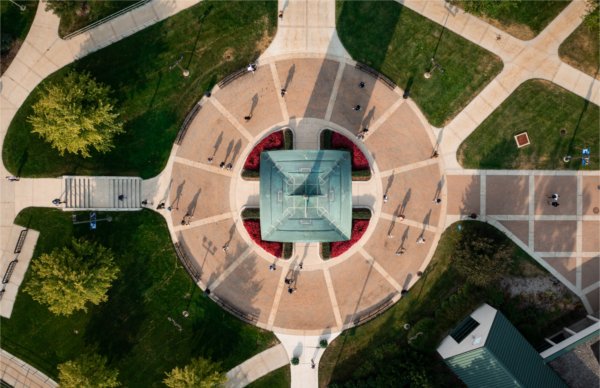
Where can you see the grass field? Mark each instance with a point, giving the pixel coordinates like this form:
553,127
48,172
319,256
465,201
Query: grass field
15,26
279,378
582,50
132,328
215,38
542,109
525,19
378,353
400,44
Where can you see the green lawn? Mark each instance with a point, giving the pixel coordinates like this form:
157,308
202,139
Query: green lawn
400,44
525,19
542,109
84,13
132,328
279,378
15,26
215,38
582,49
378,354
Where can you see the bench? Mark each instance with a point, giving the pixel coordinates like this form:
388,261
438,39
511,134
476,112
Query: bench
186,123
20,241
366,69
373,312
187,263
9,271
232,77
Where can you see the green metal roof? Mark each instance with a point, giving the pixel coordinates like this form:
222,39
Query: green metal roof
505,360
305,196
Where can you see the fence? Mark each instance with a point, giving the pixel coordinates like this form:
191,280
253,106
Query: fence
364,68
246,317
232,77
106,19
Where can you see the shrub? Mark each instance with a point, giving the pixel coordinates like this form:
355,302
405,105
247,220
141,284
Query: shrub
326,250
251,213
323,343
253,228
288,250
273,141
361,213
295,361
358,229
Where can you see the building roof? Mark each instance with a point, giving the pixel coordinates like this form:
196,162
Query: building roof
305,196
495,354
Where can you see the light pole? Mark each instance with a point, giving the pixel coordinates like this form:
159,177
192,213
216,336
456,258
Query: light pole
184,72
434,65
21,7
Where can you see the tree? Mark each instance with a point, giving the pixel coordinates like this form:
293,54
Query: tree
67,278
199,373
481,259
88,370
63,7
76,115
592,18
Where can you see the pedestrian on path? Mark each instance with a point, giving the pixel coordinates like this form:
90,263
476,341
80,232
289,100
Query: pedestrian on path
247,118
434,155
401,217
437,201
312,363
281,14
210,159
122,197
555,204
361,85
272,267
357,108
421,240
554,197
252,68
283,92
473,216
400,252
229,167
385,198
222,165
12,178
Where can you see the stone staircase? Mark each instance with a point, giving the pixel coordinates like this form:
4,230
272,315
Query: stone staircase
102,193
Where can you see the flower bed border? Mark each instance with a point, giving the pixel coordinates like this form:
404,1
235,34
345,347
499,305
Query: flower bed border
253,214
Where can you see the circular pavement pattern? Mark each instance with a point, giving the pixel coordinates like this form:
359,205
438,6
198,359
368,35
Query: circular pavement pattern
320,94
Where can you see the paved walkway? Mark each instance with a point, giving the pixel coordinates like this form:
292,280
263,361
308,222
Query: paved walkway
523,60
19,374
257,366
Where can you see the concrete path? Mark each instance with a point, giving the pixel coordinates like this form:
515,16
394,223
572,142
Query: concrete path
523,60
19,374
257,366
308,351
565,240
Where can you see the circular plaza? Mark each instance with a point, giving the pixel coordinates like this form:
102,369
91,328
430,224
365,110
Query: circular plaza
210,192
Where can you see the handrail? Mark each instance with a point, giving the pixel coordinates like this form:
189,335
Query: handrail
233,76
105,19
388,82
374,312
247,317
189,266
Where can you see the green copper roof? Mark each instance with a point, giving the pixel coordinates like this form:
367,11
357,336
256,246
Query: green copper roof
305,196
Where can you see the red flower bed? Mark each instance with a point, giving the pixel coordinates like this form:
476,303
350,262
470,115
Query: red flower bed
359,160
358,229
253,228
272,142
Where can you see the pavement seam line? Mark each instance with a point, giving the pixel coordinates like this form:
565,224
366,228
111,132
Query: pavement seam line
232,267
407,222
276,300
204,221
385,116
280,98
241,129
202,166
568,254
579,233
334,91
483,195
531,195
408,167
332,298
381,270
591,287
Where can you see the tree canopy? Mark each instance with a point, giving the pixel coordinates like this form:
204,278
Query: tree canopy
199,373
76,116
89,371
67,278
480,259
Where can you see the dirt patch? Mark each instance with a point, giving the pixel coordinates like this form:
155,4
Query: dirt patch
6,59
228,55
580,50
517,30
544,292
266,39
